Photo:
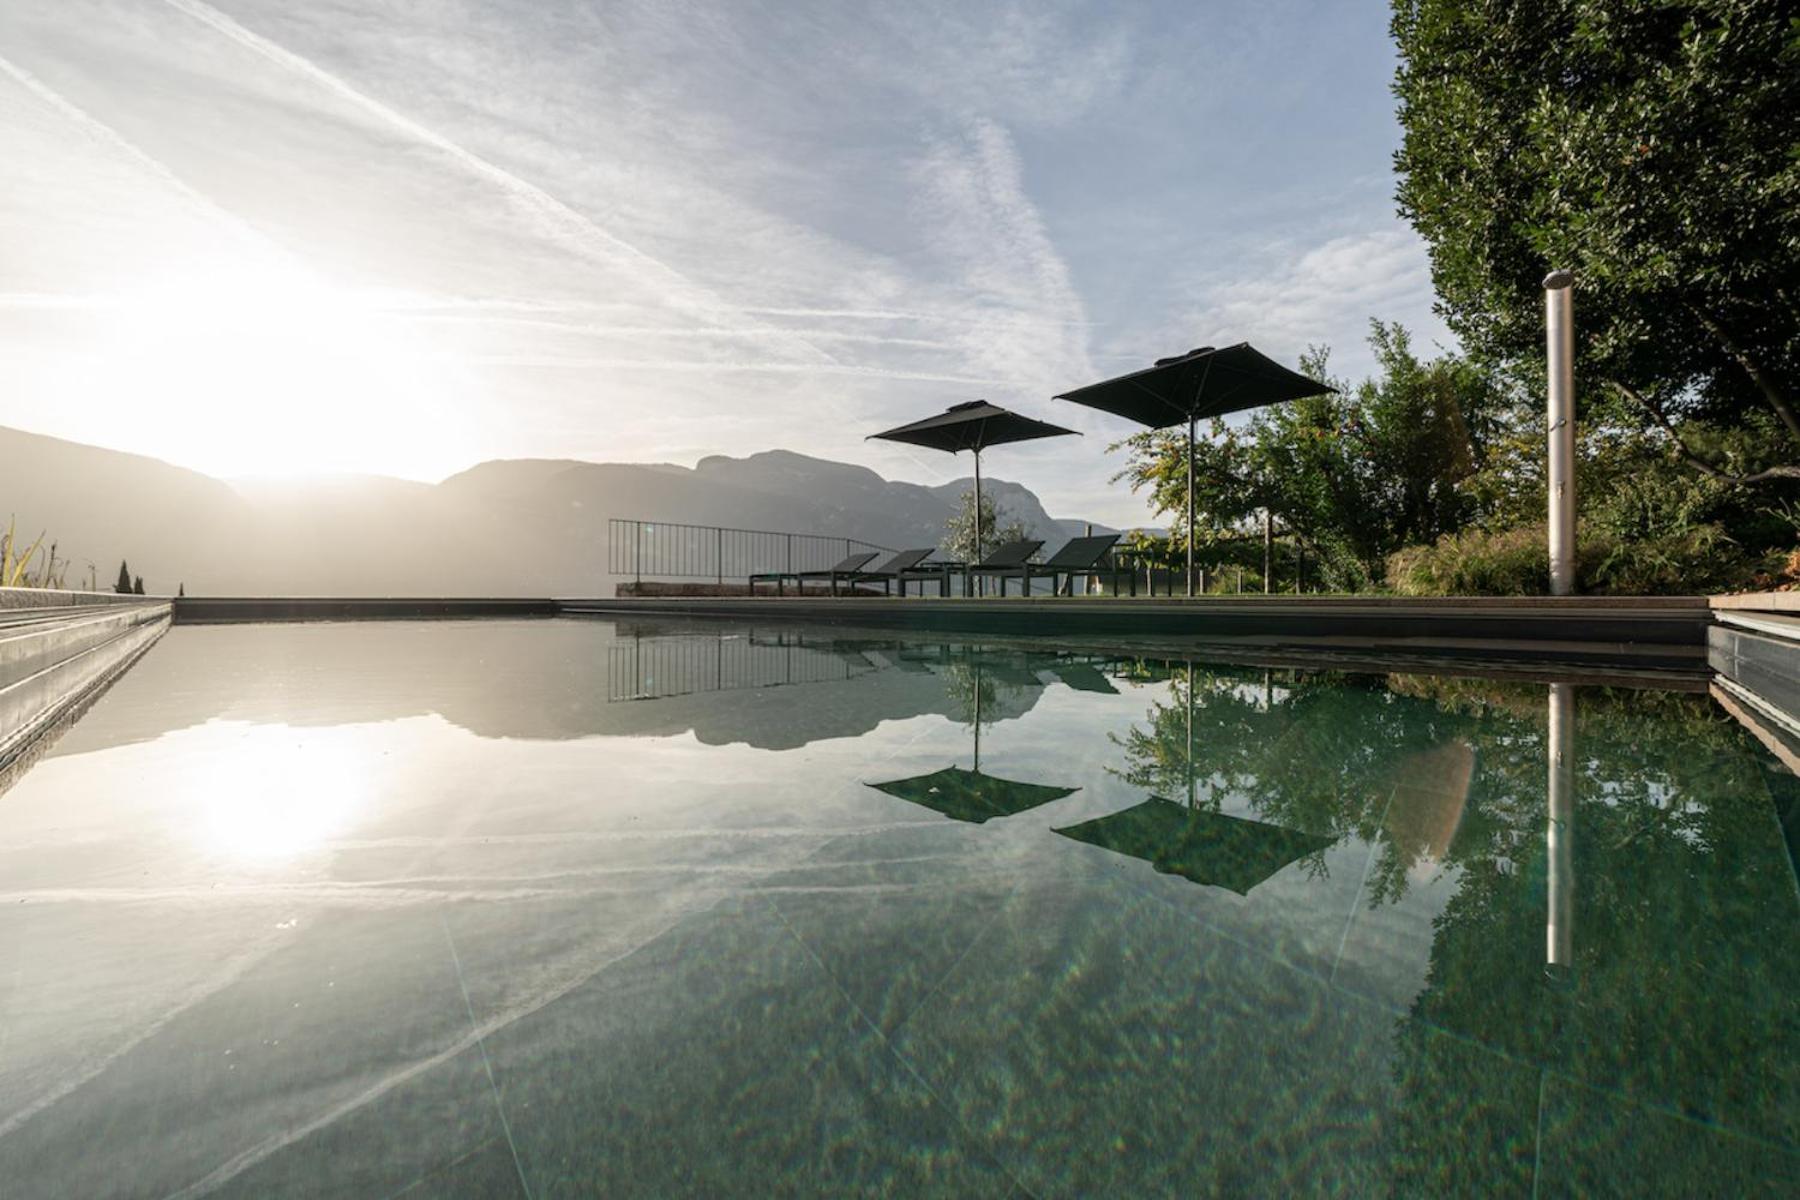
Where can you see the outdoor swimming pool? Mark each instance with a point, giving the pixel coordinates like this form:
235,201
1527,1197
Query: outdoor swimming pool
567,907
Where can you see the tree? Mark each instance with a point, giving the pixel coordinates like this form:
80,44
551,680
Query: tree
959,530
1354,476
1650,147
123,586
137,586
181,589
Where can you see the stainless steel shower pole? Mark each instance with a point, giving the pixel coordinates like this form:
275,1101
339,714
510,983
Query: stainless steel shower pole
1559,336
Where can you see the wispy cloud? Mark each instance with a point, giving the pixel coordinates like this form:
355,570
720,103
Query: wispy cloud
1324,294
554,218
110,140
994,250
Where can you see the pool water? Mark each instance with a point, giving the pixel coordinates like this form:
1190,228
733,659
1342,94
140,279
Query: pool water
561,907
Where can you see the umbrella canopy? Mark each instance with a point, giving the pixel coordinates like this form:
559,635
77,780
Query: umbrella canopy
1209,848
1206,382
973,426
970,795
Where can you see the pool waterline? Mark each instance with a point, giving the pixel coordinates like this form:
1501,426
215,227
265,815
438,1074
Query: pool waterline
554,905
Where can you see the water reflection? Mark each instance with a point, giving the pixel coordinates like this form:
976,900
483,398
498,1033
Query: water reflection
969,795
1198,843
662,938
658,667
273,792
1203,847
1560,745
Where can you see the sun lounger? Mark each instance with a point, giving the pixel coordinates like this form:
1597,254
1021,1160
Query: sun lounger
1081,557
893,570
842,569
1009,557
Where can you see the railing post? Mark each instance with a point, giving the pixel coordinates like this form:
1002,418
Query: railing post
719,558
637,556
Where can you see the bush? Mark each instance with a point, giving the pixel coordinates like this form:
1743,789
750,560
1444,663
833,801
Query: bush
1516,562
1475,562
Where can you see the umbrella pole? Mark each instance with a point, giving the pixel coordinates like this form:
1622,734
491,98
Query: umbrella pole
1188,760
1190,507
978,716
978,554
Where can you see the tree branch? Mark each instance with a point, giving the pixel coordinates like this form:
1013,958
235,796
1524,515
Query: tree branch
1687,454
1771,391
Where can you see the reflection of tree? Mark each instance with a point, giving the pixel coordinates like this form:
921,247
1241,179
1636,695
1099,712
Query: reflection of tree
980,693
1324,753
1681,999
1321,754
1684,956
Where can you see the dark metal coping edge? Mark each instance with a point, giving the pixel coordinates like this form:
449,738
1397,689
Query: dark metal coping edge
209,610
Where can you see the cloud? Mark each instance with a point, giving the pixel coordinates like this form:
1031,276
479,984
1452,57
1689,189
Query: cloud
553,217
1324,294
1037,64
111,141
995,253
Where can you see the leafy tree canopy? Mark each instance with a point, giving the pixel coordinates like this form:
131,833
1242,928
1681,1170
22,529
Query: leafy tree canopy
1401,458
1654,148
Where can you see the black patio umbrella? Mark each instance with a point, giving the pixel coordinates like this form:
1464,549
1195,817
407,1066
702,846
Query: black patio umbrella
975,426
970,795
1207,383
1201,846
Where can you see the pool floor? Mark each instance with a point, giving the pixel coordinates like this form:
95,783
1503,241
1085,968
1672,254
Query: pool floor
571,908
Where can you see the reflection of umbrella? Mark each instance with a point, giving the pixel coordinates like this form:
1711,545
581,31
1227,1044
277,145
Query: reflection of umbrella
1201,383
1084,677
1205,847
970,795
972,426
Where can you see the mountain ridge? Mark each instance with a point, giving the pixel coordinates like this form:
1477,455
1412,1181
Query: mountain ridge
500,527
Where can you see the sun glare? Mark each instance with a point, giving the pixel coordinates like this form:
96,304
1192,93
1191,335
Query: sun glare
275,791
255,368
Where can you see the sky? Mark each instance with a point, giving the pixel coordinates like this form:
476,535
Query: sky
258,238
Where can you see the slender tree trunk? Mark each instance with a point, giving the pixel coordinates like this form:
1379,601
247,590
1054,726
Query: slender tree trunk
1772,391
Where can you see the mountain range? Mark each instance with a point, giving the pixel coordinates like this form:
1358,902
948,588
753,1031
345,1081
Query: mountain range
516,527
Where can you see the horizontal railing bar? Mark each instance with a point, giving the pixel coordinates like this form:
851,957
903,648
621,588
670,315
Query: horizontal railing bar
781,533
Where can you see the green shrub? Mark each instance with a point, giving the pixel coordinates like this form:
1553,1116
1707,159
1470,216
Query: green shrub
1516,562
1475,562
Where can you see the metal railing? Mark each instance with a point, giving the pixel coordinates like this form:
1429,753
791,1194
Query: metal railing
659,667
640,550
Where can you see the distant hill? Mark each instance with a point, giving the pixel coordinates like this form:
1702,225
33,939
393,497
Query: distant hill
509,527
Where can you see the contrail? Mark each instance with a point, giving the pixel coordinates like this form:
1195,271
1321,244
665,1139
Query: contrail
946,318
569,226
585,329
548,362
55,300
109,137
